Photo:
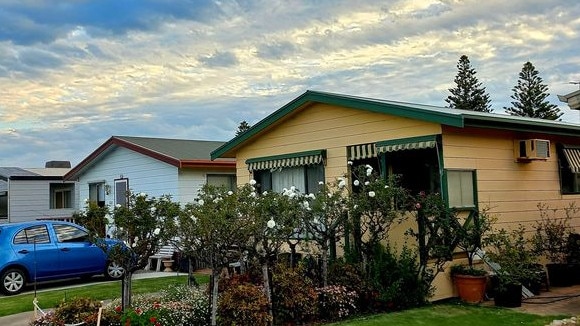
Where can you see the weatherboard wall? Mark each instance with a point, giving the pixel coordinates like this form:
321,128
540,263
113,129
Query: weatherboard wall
29,200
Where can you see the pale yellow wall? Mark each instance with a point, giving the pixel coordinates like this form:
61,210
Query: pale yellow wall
511,189
322,126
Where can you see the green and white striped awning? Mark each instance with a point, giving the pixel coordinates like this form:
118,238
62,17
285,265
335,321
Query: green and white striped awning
573,157
286,160
393,145
361,152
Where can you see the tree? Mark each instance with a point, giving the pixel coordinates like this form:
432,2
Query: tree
530,96
244,125
468,94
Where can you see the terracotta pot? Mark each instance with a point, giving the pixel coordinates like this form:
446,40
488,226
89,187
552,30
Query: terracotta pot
471,289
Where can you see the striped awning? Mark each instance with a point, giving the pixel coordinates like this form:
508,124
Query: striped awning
573,157
361,152
286,160
406,144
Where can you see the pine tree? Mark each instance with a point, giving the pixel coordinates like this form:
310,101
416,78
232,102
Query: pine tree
468,94
530,96
244,125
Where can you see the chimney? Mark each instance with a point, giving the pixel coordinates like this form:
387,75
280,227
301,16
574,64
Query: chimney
58,164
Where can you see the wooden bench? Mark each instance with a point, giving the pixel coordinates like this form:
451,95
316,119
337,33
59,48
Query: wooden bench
164,254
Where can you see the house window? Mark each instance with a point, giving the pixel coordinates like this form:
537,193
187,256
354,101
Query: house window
302,170
415,160
97,193
461,188
61,195
227,181
121,188
3,204
569,164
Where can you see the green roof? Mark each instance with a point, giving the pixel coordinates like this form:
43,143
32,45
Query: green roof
435,114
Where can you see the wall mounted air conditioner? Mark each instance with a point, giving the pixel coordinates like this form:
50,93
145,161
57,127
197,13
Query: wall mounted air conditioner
532,149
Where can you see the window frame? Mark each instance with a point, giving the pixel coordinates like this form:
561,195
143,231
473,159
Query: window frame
63,193
99,189
448,187
125,200
231,176
569,180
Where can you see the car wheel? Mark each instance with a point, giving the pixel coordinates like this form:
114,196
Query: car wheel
114,271
13,281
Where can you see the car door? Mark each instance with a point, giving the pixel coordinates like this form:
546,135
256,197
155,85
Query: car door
34,249
78,256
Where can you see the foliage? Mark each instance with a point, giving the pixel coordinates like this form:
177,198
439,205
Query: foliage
195,300
294,295
244,304
73,311
375,205
474,233
512,250
141,317
468,93
142,223
552,232
394,277
336,302
530,96
242,127
467,270
93,218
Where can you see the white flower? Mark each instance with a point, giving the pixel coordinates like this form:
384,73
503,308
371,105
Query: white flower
349,162
321,182
156,231
386,186
355,206
292,188
305,204
201,202
230,193
252,182
271,224
368,167
367,183
311,196
356,183
136,239
153,209
193,218
86,200
369,172
371,194
118,206
134,245
265,193
252,194
341,183
142,194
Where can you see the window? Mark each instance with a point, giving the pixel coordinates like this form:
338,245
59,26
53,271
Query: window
569,164
227,181
121,188
69,233
61,195
461,188
3,204
30,234
302,170
97,193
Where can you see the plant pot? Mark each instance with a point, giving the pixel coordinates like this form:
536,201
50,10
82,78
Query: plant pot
560,274
470,289
508,295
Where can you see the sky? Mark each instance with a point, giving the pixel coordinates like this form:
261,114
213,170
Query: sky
73,73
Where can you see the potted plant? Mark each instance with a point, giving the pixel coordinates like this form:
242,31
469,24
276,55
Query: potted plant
469,280
516,267
551,240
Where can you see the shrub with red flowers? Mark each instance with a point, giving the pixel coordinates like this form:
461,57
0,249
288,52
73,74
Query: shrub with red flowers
141,317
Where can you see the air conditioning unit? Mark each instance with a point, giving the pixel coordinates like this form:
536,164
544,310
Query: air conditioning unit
532,149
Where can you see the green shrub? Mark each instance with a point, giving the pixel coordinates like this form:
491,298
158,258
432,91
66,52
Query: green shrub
185,305
293,294
74,311
243,304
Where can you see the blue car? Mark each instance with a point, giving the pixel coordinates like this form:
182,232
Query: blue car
50,250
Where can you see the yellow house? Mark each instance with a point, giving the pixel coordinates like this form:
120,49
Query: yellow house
509,164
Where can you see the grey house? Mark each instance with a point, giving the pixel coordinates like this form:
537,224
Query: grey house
38,193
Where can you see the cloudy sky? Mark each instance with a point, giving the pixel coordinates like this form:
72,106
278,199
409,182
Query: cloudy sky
75,72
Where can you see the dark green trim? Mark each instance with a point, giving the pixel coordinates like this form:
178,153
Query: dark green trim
402,141
321,152
439,115
445,189
407,110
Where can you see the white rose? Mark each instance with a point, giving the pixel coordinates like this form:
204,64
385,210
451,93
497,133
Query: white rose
371,194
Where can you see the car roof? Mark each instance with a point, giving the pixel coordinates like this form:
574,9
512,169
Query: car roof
18,225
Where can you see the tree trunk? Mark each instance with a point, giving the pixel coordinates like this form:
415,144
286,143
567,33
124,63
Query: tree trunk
267,290
325,266
214,295
126,289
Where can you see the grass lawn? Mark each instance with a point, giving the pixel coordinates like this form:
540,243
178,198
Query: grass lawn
10,305
449,314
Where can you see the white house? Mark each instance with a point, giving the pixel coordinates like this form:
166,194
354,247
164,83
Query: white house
155,166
